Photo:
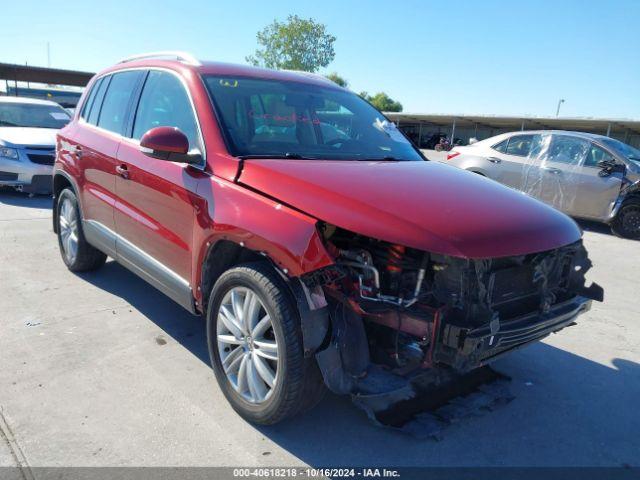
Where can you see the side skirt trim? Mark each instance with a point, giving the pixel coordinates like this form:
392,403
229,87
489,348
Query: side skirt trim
140,263
100,236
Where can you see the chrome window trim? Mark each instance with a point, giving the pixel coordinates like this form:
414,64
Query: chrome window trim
202,146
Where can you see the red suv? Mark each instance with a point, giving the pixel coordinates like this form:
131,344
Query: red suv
319,244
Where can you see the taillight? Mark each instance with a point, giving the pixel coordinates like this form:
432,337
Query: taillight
452,155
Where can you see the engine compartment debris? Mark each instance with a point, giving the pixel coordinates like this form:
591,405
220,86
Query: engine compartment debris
408,330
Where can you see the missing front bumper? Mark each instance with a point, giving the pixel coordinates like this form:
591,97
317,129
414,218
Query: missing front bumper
464,348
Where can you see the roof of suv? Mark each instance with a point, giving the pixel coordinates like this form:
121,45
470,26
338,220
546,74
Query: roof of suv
186,61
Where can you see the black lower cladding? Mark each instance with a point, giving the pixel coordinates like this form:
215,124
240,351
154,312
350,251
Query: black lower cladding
464,347
8,176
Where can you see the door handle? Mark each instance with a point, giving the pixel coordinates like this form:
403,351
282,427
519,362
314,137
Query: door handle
494,160
552,170
78,152
123,171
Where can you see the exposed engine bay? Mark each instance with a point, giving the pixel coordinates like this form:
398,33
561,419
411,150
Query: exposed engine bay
404,310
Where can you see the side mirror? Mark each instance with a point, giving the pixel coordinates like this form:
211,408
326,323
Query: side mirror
609,167
167,143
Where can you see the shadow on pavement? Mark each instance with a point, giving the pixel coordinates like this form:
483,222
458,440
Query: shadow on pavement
568,410
185,328
19,199
596,227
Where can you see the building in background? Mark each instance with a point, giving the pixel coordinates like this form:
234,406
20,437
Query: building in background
421,127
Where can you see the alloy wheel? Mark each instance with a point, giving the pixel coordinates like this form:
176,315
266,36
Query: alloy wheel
631,220
68,222
247,345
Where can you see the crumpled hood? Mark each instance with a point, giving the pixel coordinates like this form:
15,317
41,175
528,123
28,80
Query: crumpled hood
27,136
424,205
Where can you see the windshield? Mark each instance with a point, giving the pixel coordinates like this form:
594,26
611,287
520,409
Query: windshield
32,115
623,149
270,118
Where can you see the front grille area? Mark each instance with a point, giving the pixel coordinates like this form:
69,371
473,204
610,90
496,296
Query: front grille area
8,176
42,158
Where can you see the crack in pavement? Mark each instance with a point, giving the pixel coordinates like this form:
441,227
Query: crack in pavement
16,452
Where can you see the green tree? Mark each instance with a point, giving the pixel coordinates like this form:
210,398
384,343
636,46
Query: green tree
297,44
382,102
335,78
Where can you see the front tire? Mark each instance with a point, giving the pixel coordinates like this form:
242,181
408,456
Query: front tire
77,254
627,222
255,345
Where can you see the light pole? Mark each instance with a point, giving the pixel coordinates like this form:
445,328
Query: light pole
560,102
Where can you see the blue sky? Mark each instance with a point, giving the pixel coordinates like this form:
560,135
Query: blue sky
484,57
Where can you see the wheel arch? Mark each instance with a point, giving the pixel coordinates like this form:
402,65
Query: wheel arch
226,254
62,180
477,171
220,257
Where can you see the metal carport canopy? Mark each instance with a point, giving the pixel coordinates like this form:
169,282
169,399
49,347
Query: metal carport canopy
516,123
25,73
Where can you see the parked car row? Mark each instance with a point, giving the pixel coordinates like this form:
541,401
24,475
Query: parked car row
583,175
313,237
27,142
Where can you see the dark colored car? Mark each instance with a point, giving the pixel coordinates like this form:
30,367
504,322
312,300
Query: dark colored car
318,243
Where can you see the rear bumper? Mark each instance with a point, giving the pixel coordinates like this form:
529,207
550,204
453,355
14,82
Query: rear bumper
464,348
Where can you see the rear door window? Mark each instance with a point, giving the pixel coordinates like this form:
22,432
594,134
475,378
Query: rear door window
116,101
164,103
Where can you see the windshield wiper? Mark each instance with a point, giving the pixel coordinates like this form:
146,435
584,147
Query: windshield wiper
288,155
388,158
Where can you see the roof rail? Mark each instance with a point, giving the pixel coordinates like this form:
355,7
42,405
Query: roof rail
180,56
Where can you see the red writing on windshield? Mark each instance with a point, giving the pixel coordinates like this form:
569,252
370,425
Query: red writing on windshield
294,117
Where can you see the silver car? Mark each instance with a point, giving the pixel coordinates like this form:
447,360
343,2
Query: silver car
27,142
584,175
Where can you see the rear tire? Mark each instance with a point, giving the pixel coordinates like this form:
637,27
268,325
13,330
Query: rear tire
288,385
627,222
76,252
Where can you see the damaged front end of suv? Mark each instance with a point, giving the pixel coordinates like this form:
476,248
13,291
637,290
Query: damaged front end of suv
398,315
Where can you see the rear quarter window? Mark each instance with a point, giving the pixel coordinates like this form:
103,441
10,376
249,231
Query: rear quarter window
501,147
86,108
96,105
